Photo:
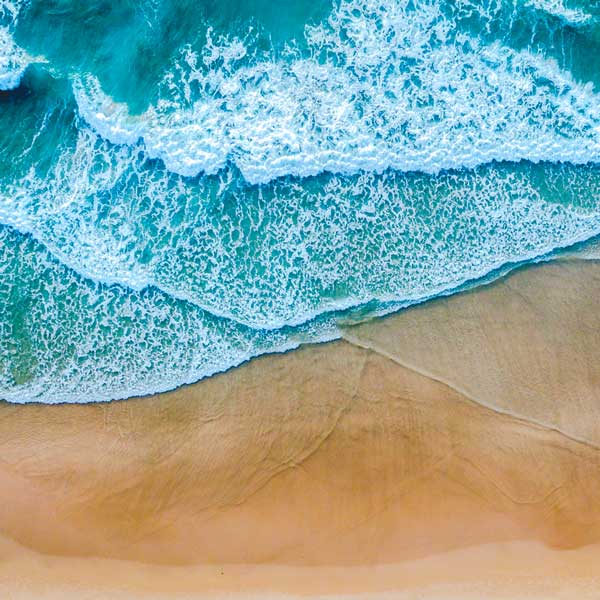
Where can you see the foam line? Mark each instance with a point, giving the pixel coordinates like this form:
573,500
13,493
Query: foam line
270,258
383,85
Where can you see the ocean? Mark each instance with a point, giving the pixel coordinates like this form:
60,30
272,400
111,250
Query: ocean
188,184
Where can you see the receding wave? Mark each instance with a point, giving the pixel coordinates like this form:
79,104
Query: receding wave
67,339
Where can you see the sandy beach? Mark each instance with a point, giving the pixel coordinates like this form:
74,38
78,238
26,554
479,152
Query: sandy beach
449,451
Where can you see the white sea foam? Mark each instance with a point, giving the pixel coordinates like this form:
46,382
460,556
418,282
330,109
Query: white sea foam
211,272
9,10
560,9
269,258
13,61
118,343
384,86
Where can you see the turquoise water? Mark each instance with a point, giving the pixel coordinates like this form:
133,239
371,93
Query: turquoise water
187,184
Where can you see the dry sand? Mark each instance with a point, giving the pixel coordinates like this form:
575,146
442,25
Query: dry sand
450,451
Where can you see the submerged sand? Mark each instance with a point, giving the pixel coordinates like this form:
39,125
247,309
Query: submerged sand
449,451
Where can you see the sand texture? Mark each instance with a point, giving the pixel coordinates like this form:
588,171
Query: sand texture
451,450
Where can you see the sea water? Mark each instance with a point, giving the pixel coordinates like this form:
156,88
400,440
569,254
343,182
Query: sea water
187,184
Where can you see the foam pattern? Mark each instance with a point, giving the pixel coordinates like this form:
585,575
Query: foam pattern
384,84
13,59
66,339
277,256
573,15
401,151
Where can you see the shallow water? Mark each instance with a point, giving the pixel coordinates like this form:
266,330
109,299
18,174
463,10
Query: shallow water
185,185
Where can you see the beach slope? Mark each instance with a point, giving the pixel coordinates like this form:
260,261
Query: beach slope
451,450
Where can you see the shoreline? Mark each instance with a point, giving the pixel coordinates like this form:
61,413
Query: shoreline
458,440
586,249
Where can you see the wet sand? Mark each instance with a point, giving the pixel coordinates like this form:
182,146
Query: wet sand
449,451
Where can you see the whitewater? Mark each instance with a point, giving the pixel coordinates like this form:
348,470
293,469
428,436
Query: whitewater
247,184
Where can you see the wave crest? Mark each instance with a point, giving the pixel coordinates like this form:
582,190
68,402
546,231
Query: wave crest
385,84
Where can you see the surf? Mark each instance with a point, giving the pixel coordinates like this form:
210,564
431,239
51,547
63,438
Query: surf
245,194
383,85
